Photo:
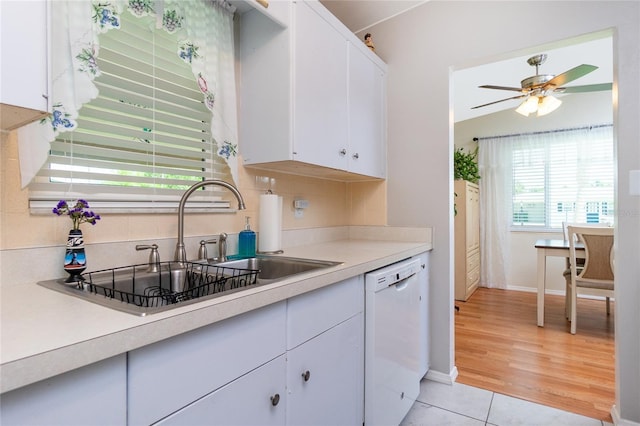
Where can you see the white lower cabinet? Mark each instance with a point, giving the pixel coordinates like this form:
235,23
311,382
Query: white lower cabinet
325,355
91,395
170,375
296,362
257,398
325,377
425,334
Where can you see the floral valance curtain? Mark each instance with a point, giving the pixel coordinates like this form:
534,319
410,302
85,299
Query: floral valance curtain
204,30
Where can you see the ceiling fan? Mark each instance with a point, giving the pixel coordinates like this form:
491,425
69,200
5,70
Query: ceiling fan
539,89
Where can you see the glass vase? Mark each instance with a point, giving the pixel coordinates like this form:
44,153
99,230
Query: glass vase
75,260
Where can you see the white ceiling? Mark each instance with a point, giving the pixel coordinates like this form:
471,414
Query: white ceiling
358,15
510,72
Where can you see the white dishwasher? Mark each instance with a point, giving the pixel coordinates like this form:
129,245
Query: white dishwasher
392,342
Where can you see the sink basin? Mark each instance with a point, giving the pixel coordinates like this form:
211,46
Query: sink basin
135,290
271,268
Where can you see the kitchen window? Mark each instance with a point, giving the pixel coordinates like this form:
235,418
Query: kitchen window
158,113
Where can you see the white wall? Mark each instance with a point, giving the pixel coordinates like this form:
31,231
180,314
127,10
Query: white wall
421,47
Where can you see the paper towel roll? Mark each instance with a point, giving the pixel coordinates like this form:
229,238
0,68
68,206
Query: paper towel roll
270,224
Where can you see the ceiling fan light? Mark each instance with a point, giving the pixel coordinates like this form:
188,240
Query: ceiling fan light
547,105
528,106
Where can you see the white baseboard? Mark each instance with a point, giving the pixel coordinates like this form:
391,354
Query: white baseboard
552,292
534,290
447,379
615,415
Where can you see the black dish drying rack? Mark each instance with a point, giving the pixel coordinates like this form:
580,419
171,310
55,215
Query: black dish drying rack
173,282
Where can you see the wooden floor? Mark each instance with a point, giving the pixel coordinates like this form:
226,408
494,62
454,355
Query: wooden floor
499,347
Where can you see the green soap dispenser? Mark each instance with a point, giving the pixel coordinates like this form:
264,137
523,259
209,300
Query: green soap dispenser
247,241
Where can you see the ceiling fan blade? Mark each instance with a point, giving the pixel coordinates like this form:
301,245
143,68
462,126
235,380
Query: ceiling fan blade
501,100
489,86
583,89
572,74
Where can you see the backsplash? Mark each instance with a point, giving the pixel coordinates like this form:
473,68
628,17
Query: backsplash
331,203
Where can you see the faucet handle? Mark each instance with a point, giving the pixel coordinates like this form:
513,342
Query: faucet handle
154,256
202,251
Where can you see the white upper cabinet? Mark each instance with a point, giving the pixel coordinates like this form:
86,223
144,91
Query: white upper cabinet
367,124
24,81
320,125
312,96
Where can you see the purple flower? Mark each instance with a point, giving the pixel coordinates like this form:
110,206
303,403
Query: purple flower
78,214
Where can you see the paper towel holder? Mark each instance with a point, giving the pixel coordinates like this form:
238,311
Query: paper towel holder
258,251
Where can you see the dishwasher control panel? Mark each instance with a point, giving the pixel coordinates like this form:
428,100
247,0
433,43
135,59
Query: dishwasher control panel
392,274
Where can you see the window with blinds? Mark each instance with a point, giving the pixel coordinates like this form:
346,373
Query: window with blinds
145,139
563,177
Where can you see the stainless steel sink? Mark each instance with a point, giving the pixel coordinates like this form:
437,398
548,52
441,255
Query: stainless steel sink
271,268
135,290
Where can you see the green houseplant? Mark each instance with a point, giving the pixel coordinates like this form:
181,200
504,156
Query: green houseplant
465,165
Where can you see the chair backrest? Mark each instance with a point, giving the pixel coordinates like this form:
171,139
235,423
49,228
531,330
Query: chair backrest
598,244
566,225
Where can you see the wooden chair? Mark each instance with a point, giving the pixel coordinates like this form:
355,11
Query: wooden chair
580,263
596,277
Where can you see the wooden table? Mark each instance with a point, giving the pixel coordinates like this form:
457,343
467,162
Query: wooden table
557,248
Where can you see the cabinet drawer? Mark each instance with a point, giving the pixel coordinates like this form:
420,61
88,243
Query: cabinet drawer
245,401
473,277
473,261
169,375
312,313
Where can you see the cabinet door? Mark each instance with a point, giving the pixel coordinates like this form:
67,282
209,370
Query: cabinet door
91,395
325,377
366,115
320,91
24,77
425,335
171,374
257,398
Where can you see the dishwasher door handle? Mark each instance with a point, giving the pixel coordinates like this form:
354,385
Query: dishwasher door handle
403,283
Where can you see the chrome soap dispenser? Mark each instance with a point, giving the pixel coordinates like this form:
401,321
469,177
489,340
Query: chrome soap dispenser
247,241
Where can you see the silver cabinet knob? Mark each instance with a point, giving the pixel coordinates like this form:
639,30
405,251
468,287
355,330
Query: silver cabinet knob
343,151
275,399
356,156
306,376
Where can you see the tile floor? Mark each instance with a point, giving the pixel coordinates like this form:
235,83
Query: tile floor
461,405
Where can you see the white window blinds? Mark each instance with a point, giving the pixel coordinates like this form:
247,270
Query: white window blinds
564,176
146,137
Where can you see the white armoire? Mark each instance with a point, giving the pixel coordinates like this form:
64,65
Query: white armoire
467,239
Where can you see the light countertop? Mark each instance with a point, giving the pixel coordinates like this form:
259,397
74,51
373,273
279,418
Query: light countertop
45,333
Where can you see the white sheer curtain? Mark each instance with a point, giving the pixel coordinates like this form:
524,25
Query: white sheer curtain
494,163
205,40
563,175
